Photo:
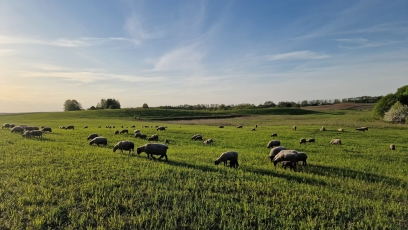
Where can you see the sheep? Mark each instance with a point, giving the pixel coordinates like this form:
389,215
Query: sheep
33,133
92,136
31,128
62,127
274,151
285,155
116,132
239,126
136,131
5,126
340,130
197,137
143,136
113,126
27,134
138,134
69,127
302,141
254,129
124,131
124,145
274,135
47,129
99,126
161,128
310,140
12,125
23,126
17,129
322,128
294,128
302,156
153,137
221,126
99,141
289,164
85,127
153,149
392,146
273,143
335,142
228,156
133,126
166,141
208,141
362,129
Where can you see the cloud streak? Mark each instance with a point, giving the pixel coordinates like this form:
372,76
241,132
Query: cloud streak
297,55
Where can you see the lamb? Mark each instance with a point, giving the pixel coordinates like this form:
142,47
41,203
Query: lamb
289,164
116,132
392,146
124,131
92,136
228,156
221,126
153,149
17,129
197,137
340,130
322,128
294,128
335,142
5,126
47,129
99,141
69,127
302,141
310,140
274,151
161,128
273,143
362,129
286,155
208,141
274,135
124,145
239,126
302,156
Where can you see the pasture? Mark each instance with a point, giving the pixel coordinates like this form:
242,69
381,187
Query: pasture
61,182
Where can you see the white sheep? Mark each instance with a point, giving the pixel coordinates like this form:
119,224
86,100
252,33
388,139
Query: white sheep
153,149
392,146
335,142
99,141
340,130
286,155
228,156
322,128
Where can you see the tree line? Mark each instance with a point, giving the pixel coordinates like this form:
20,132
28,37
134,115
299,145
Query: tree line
110,103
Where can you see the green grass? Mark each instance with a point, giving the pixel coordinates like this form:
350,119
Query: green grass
61,182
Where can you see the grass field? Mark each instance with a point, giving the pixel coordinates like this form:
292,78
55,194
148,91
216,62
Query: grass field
61,182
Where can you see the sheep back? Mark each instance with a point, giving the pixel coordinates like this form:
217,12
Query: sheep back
274,151
153,149
335,142
92,136
286,155
273,143
17,129
99,141
124,145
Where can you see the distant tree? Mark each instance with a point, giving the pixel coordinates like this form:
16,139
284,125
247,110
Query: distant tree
336,101
72,105
304,103
109,103
145,106
92,108
269,104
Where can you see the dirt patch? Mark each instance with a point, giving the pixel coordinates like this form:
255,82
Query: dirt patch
353,106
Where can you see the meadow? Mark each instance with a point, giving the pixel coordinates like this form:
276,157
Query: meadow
61,182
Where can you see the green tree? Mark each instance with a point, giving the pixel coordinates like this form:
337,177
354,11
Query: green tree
384,104
109,103
402,95
72,105
145,106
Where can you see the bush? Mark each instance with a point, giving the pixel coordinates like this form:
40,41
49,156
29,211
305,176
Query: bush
383,105
398,113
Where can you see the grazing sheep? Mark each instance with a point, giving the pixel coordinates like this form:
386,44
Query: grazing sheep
302,156
273,143
47,129
5,126
92,136
17,129
133,126
143,136
221,126
137,134
335,142
99,141
85,127
69,127
12,125
302,141
31,128
197,137
116,132
286,155
228,156
62,127
153,137
153,149
274,135
99,126
274,151
166,141
322,128
161,128
310,140
124,131
340,130
256,126
124,145
27,134
136,131
294,128
239,126
208,141
289,164
254,129
33,133
362,129
392,146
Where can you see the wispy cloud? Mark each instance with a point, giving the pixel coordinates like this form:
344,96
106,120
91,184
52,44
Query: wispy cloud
64,42
365,44
298,55
352,40
184,58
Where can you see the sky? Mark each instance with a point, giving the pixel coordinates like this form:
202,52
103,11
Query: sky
198,52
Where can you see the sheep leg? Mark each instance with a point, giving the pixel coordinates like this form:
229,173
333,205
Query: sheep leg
153,156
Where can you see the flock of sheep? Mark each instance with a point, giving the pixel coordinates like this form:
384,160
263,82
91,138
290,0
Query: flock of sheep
278,154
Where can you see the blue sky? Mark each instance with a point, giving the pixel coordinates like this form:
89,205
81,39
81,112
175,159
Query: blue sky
198,52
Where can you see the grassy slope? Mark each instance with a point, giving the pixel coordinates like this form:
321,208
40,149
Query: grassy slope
62,182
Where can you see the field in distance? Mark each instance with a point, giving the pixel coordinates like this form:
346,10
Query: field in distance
63,182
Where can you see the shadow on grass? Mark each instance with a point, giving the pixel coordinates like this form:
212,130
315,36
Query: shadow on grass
352,174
